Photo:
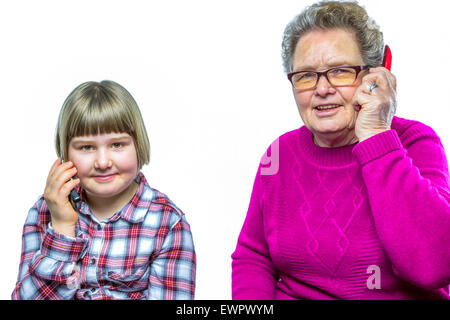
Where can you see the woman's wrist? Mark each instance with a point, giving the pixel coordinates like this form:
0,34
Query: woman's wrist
370,134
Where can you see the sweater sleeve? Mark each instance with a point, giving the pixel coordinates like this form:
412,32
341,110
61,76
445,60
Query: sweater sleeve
408,187
253,275
48,260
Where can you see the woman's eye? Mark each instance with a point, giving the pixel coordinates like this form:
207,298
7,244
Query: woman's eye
342,71
308,75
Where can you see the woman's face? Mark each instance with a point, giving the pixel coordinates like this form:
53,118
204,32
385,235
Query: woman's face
320,50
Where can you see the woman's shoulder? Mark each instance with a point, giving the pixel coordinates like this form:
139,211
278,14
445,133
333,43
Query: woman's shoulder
283,149
285,141
290,136
412,130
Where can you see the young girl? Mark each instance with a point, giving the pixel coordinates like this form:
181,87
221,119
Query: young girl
116,237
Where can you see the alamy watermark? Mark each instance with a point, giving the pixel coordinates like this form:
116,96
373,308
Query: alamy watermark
73,281
374,281
270,163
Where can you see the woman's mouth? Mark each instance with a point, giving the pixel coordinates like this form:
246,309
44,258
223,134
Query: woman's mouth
103,178
327,110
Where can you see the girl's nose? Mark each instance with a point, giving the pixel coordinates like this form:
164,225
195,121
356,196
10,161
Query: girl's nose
102,161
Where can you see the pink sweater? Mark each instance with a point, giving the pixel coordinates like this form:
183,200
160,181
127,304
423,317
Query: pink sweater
364,221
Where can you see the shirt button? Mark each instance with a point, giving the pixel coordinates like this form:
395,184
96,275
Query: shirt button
99,227
93,261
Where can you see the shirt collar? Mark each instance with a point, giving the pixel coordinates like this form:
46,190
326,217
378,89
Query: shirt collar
135,210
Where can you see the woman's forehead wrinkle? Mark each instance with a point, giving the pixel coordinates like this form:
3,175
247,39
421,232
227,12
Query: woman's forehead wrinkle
322,50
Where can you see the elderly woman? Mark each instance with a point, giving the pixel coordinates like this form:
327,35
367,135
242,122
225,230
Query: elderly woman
357,203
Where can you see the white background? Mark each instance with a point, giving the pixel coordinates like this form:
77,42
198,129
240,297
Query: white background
207,76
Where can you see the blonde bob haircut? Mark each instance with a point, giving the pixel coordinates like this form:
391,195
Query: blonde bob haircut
101,107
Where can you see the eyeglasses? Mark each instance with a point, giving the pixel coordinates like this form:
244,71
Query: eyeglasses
337,77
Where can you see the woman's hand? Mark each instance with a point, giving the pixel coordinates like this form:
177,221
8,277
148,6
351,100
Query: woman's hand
376,108
56,195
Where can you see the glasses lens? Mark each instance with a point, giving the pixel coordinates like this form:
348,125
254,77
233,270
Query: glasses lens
304,80
342,76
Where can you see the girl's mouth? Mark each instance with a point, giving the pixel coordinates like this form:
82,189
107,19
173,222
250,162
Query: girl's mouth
103,178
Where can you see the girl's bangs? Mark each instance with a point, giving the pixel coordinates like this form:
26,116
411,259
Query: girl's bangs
98,118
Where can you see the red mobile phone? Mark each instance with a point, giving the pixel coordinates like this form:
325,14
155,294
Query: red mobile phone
387,59
387,63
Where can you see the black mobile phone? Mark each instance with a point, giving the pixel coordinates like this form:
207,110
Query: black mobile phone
74,196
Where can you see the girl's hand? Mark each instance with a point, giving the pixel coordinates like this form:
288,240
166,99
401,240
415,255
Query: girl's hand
376,108
56,195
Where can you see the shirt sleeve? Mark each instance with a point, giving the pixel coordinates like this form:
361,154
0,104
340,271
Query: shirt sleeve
48,260
172,270
253,274
408,187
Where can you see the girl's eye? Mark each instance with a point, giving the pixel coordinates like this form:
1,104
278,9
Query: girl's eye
116,145
86,148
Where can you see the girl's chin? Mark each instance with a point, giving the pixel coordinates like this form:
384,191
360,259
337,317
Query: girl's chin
102,191
108,191
101,194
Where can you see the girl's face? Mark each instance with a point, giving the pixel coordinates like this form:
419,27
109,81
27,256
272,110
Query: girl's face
106,164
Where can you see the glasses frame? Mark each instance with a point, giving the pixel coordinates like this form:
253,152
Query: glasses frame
358,69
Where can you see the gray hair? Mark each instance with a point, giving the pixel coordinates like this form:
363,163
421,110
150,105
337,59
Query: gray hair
327,15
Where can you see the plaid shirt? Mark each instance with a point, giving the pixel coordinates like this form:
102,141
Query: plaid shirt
144,251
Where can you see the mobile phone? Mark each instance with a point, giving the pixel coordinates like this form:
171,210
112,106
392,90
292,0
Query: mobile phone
387,63
387,58
74,196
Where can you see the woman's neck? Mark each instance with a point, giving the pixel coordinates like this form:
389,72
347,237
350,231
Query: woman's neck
335,140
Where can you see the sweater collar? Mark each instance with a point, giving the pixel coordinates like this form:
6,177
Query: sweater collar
324,157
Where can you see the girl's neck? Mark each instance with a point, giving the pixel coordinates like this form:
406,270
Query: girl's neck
104,208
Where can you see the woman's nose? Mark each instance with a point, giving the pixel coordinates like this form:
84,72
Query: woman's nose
324,87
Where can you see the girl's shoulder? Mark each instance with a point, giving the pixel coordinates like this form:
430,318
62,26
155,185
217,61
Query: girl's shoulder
158,207
163,202
39,214
155,198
